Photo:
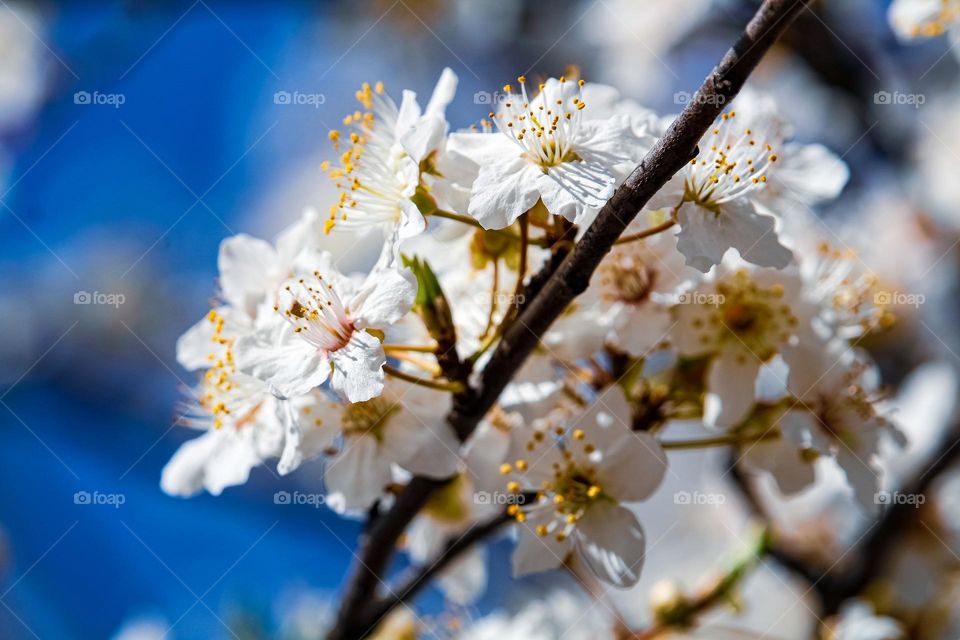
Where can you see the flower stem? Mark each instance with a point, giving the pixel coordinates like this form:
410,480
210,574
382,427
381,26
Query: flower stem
522,269
459,217
494,299
452,387
646,233
717,441
410,347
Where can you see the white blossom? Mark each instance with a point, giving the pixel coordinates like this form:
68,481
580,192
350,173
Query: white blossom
745,174
834,414
549,149
379,171
582,467
404,425
322,328
244,423
740,321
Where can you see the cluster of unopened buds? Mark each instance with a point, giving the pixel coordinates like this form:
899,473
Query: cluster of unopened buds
718,288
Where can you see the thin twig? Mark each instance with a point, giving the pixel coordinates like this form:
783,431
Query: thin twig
646,233
718,441
454,387
522,269
425,348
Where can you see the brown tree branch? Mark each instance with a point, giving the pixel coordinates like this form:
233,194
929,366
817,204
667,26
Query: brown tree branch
675,149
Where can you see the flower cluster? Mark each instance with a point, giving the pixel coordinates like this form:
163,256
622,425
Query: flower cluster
715,306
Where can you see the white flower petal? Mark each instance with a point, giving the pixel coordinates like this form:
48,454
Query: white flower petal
782,459
611,541
570,188
669,196
426,135
195,345
248,271
534,553
358,368
443,93
615,140
213,461
386,296
706,235
504,190
479,148
810,172
633,468
436,457
465,579
408,114
355,478
292,455
279,357
863,477
483,453
303,233
732,380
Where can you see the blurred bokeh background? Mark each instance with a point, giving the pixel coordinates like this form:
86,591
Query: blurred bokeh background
135,135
